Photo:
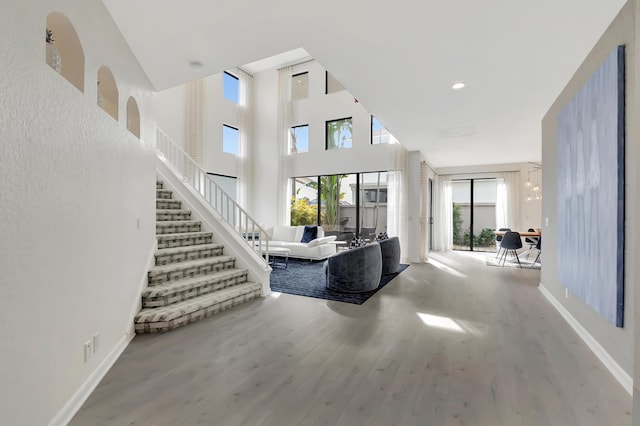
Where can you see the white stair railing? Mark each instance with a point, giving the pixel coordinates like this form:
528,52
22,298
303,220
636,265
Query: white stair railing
238,219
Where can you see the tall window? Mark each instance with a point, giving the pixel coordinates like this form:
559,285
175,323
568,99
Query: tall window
345,205
230,137
231,86
331,84
300,86
338,134
299,139
474,214
379,134
304,201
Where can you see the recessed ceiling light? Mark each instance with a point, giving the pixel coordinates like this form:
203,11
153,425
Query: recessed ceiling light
458,86
195,65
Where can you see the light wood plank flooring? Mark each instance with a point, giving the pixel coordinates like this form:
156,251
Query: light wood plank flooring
487,350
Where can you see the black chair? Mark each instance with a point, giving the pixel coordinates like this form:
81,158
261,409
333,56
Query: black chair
532,241
499,239
539,247
510,243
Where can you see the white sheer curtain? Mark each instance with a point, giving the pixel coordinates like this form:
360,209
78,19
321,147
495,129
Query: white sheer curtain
395,208
284,124
507,201
246,135
397,198
424,211
444,221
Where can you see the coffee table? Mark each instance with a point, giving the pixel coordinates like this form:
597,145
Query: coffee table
277,252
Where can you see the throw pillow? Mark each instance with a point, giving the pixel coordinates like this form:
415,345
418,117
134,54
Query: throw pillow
310,234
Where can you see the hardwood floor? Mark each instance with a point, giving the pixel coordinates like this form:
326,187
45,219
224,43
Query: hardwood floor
453,342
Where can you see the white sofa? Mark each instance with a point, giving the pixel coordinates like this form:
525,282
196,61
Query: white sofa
290,237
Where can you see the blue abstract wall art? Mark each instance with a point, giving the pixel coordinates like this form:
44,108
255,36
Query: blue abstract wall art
591,191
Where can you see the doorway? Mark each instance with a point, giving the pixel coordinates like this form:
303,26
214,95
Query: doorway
474,214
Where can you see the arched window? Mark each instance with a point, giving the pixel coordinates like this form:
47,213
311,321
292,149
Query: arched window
133,117
107,92
63,49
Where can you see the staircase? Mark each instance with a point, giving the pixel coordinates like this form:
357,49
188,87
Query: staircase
192,278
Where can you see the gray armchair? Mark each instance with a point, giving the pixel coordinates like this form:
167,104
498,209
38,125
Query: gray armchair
354,271
390,249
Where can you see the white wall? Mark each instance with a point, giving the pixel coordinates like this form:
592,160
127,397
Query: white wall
74,184
617,342
173,120
315,111
264,155
171,114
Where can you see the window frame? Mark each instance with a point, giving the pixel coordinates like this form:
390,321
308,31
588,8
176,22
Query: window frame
326,133
223,86
293,76
295,127
238,142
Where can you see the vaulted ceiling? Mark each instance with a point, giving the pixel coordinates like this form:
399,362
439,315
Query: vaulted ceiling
399,58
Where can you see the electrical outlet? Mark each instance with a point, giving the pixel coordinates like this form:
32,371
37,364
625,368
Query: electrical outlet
88,350
96,340
138,223
566,293
546,221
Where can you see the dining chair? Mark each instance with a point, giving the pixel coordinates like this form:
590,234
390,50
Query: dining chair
539,247
510,243
499,240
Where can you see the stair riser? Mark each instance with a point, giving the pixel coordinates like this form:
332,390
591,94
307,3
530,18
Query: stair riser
183,242
168,204
159,185
195,271
177,229
155,302
173,216
160,326
191,255
163,194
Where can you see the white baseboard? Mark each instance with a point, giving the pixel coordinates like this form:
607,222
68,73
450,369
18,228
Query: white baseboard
72,406
614,368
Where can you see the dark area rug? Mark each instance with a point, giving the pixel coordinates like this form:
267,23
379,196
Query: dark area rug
305,278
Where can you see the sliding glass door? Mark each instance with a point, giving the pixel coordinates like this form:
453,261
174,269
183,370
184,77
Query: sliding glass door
474,214
346,205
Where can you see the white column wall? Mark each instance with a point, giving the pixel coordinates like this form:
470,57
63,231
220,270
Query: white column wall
77,212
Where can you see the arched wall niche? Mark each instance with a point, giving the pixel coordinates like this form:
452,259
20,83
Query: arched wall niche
107,92
64,51
133,117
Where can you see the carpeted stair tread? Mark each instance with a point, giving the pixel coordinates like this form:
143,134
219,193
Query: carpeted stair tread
187,288
161,213
186,249
186,253
164,194
181,313
173,267
168,204
184,235
178,226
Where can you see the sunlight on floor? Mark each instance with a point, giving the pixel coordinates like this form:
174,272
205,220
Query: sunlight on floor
440,322
275,294
445,268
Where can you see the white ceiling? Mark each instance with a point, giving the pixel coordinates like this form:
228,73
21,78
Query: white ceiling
398,58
